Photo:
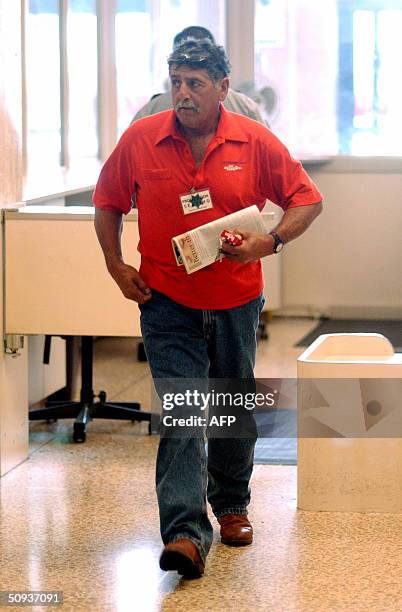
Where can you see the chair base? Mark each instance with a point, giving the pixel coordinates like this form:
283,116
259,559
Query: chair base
90,406
84,412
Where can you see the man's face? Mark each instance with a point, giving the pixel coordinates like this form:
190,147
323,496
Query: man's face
195,96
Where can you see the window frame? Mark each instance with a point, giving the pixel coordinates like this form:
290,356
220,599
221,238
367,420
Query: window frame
240,46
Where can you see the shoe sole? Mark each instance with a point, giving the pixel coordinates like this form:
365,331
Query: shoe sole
174,560
236,542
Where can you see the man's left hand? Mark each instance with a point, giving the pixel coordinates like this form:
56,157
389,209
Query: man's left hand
254,246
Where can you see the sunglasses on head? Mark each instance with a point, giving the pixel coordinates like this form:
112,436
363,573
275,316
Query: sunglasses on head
190,56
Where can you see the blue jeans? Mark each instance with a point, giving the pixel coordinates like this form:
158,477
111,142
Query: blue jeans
186,343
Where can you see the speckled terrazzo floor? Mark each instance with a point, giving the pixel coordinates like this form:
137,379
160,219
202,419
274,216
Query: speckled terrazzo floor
83,519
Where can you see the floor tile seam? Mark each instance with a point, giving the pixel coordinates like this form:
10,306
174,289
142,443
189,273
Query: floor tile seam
32,452
129,386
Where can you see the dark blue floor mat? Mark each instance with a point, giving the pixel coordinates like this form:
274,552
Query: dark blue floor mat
388,328
277,437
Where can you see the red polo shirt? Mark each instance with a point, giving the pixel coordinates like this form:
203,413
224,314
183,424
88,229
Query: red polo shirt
244,164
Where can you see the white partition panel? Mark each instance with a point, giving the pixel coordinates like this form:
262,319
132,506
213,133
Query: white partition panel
350,426
56,281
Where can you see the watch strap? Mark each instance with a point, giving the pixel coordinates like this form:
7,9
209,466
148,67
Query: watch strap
278,242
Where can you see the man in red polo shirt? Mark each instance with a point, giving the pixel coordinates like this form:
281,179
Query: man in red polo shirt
201,326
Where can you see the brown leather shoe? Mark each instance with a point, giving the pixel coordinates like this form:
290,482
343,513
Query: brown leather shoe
236,529
182,556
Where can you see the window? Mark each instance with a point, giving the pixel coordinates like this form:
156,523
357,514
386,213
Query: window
327,74
82,63
43,82
61,77
369,88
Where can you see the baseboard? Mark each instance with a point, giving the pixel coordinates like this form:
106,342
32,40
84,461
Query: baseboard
393,313
366,312
301,312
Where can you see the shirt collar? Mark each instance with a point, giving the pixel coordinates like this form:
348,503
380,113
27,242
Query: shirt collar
168,128
228,128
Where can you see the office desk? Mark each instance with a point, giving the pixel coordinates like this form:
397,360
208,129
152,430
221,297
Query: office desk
56,281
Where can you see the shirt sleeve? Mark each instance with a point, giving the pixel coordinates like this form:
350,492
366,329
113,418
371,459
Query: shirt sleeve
116,184
283,178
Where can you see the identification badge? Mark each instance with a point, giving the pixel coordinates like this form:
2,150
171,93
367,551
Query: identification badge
194,201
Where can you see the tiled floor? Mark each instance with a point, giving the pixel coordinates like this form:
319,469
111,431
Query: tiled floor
82,519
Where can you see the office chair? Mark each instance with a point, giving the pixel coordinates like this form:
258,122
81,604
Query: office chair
87,409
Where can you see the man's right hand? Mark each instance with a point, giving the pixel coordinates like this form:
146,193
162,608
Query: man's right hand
130,283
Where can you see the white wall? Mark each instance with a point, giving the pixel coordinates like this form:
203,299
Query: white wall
13,372
349,263
13,400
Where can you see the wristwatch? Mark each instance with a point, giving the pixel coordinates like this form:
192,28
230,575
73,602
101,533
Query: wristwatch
278,242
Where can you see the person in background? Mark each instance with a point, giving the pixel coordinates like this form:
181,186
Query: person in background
235,101
186,167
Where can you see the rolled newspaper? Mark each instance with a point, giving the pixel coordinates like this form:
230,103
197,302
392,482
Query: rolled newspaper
200,247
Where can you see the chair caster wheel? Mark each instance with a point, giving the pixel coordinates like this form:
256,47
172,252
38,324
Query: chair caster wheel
79,434
102,397
141,355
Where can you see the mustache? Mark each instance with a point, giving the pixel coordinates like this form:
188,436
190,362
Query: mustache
185,105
